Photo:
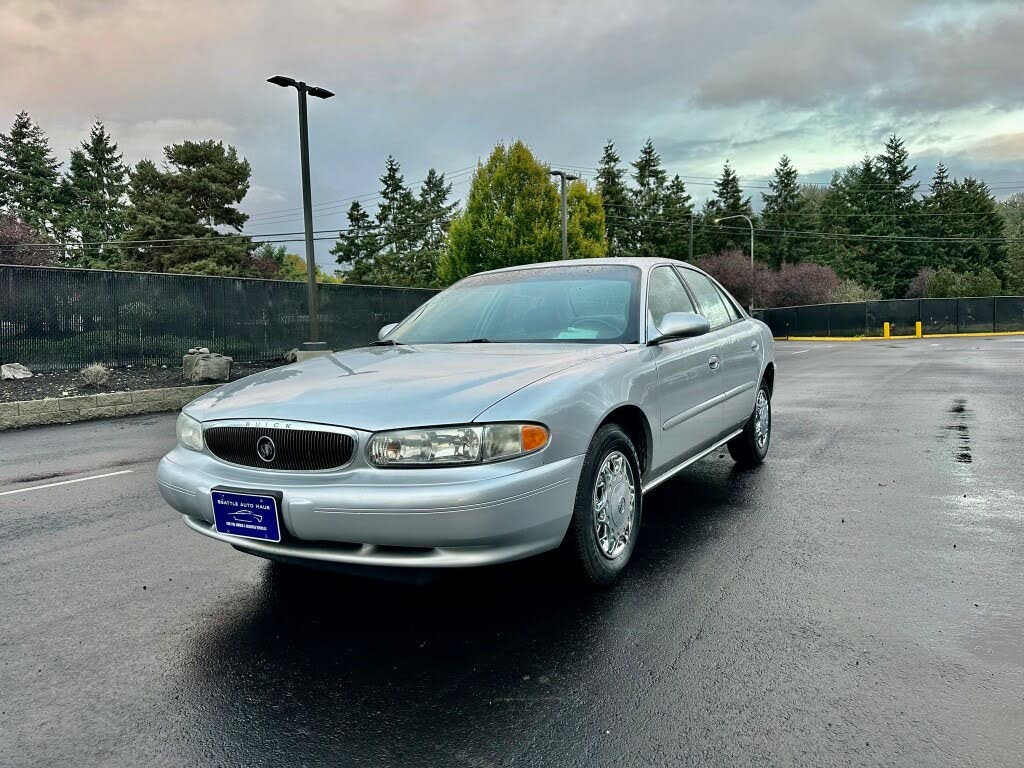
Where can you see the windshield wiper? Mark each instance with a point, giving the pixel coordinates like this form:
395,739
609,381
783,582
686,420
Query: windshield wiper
385,343
474,341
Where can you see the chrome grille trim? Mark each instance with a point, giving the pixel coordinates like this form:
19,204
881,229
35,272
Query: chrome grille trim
300,446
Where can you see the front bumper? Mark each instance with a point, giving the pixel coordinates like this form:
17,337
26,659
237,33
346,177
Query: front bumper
449,518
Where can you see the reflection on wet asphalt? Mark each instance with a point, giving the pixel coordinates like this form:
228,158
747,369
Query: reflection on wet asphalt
856,600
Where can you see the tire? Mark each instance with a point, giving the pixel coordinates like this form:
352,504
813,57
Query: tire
595,559
746,449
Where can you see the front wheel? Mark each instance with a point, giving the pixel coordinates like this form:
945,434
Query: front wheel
750,447
606,517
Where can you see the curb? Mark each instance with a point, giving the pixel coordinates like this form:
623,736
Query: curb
883,338
64,410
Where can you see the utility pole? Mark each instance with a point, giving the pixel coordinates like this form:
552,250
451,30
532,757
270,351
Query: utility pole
313,344
565,216
691,239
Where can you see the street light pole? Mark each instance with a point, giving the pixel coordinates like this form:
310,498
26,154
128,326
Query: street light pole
313,344
565,217
749,222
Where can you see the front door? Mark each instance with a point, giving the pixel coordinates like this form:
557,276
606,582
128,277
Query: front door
689,377
739,342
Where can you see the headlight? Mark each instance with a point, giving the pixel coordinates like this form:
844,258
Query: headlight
190,432
441,446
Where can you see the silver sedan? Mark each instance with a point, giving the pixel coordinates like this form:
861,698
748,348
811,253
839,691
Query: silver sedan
519,411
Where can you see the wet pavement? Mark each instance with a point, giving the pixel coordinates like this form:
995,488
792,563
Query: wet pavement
858,600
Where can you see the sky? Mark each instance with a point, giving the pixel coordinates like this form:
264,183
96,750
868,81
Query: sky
437,83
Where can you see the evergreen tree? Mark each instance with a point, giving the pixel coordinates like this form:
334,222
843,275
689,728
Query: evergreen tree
358,246
183,205
782,206
95,190
435,217
727,201
586,227
676,211
616,201
648,201
29,183
1012,268
512,216
898,262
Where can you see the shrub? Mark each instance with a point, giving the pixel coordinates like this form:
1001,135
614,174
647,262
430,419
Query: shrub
851,290
803,283
95,375
732,270
919,285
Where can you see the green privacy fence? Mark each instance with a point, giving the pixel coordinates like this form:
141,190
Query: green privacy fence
986,314
64,319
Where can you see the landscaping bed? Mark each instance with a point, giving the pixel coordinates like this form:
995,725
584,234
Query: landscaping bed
126,379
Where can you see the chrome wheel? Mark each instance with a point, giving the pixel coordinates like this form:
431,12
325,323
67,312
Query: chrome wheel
614,505
762,420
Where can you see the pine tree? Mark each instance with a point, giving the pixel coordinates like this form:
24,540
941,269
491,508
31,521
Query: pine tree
648,201
29,181
676,211
95,190
782,206
358,246
184,205
616,201
1012,268
435,217
727,201
900,260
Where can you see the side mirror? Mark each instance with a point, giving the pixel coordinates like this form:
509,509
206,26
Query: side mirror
386,330
679,325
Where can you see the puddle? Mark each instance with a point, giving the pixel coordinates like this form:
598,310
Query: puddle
959,425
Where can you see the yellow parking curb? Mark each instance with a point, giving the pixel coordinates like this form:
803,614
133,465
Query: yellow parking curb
882,338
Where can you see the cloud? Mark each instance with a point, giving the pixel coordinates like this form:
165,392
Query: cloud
438,83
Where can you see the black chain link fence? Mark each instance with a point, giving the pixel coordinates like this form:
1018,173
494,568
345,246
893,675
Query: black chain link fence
987,314
64,319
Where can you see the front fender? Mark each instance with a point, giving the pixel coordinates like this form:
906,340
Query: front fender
574,402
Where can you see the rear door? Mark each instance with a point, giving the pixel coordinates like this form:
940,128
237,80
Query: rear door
689,377
739,344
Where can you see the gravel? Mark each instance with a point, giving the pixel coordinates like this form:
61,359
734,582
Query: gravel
127,379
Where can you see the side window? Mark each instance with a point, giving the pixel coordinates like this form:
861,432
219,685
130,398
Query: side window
712,305
666,294
734,314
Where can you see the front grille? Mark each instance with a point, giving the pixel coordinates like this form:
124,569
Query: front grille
293,449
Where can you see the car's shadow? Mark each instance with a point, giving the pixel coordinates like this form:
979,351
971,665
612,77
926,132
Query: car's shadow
314,663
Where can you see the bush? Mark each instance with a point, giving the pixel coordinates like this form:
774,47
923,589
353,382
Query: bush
95,375
803,283
947,284
919,285
732,270
851,290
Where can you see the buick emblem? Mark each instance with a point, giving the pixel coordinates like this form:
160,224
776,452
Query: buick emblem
266,449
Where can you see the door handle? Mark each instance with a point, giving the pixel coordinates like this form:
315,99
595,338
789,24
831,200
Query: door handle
753,346
713,362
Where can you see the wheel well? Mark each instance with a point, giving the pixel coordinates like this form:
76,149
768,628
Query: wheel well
634,423
769,377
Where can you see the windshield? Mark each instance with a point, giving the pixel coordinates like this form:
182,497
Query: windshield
586,303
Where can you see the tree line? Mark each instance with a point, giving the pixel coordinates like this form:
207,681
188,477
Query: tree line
870,232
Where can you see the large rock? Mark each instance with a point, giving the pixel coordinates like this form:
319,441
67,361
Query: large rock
14,371
206,366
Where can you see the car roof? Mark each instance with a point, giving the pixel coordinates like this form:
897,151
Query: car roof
643,262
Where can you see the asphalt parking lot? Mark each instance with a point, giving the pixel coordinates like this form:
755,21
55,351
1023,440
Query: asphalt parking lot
858,600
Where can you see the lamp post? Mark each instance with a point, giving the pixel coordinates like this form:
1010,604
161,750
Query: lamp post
747,218
565,219
313,344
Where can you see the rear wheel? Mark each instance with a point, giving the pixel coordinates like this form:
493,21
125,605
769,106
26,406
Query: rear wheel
750,447
606,517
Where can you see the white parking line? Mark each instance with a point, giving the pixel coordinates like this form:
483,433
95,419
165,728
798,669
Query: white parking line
801,351
65,482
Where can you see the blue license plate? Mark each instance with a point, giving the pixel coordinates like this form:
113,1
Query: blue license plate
248,515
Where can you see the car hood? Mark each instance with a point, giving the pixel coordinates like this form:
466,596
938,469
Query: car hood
375,388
